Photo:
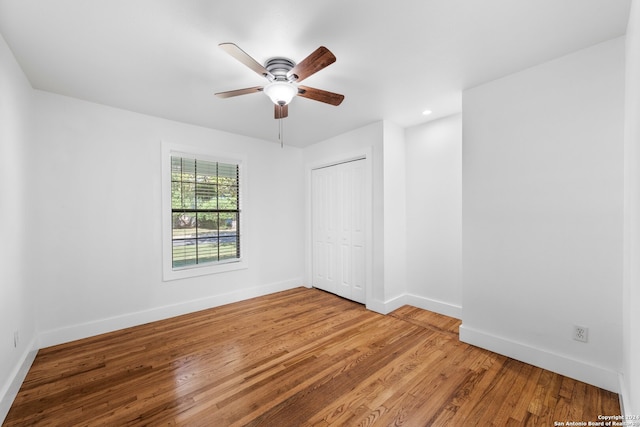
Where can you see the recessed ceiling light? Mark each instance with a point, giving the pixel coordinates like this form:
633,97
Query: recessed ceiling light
426,112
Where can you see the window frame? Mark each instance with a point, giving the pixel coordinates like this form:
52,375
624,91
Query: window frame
179,150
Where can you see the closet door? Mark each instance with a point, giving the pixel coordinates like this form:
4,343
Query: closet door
339,229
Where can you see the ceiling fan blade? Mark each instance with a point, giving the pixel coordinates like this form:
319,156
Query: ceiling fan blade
238,92
280,112
320,58
320,95
247,60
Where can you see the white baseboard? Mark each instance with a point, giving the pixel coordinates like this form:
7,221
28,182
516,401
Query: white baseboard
576,369
101,326
436,306
623,396
386,307
10,390
440,307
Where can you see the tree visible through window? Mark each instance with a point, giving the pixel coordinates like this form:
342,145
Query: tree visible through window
205,212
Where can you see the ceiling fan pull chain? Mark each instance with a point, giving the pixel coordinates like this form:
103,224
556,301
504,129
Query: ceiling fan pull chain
281,130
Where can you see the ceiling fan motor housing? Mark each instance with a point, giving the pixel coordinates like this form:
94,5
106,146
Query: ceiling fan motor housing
279,67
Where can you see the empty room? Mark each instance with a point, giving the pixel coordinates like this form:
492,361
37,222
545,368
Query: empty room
420,213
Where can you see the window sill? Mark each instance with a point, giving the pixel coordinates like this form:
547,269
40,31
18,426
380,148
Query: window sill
195,271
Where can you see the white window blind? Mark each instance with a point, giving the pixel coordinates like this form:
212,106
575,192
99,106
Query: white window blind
205,212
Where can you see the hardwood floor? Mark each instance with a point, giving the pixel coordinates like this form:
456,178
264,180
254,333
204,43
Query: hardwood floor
295,358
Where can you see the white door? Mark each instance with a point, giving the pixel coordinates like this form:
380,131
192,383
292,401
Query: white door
338,222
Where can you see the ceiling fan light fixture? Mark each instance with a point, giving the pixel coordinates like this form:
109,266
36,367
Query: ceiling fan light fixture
284,77
281,93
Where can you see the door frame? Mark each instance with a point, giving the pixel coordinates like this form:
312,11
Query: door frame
366,155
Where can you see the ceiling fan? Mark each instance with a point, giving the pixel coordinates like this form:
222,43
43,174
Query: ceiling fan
284,75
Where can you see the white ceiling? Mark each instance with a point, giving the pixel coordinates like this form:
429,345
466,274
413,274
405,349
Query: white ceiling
394,58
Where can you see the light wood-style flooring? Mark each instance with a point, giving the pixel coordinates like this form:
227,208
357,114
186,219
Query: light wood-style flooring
296,358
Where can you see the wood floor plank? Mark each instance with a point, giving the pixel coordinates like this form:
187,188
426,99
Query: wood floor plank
382,385
301,357
500,391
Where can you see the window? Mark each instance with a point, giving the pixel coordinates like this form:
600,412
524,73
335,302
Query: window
202,216
204,211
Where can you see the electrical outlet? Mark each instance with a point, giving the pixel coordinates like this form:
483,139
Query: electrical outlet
580,333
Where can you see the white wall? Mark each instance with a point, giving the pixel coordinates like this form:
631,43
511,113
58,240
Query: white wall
95,230
434,215
542,214
17,311
631,295
395,214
